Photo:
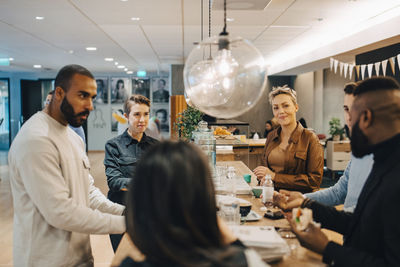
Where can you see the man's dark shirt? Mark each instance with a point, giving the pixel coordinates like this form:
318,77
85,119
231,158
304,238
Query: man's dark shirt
121,155
373,231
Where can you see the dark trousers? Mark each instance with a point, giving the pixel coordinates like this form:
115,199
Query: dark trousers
115,240
117,197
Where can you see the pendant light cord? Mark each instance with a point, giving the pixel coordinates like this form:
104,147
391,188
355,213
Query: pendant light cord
201,36
224,30
209,18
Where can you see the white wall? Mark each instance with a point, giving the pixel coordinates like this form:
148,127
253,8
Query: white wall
259,114
318,123
320,98
333,98
304,86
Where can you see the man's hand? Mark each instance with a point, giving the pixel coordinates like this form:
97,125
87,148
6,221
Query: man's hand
312,238
261,171
287,200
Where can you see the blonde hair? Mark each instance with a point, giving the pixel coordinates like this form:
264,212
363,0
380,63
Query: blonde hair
283,90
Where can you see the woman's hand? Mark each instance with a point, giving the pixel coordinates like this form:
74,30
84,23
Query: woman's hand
261,171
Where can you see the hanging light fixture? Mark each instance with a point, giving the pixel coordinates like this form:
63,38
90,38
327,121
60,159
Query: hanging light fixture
224,76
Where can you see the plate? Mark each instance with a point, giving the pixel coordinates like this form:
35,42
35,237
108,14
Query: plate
251,217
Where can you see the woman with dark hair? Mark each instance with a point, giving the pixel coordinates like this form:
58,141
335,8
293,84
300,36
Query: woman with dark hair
118,93
171,212
268,128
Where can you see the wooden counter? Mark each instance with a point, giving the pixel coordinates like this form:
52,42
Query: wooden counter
298,256
250,151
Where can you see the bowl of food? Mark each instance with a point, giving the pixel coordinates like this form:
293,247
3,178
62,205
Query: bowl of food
221,133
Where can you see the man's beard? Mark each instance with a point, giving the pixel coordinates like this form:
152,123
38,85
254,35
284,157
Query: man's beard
69,114
347,131
359,142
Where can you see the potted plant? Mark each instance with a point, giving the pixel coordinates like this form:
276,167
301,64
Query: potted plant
335,129
187,121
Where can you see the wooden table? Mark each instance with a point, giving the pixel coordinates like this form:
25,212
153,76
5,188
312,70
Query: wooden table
298,256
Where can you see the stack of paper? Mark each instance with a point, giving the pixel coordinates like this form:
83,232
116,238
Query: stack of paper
242,188
264,239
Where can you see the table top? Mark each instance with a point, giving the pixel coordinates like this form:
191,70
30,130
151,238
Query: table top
298,256
237,143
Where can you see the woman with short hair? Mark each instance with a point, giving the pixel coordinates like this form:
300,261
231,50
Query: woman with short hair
293,155
123,151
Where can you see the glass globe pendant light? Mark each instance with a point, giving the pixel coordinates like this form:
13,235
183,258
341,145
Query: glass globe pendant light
224,77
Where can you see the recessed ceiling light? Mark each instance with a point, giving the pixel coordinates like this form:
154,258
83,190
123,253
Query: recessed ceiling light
11,59
230,19
71,51
39,18
135,18
91,48
124,0
129,72
126,69
121,67
37,66
115,63
109,59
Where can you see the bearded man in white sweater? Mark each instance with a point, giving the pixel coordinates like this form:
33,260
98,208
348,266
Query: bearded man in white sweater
56,206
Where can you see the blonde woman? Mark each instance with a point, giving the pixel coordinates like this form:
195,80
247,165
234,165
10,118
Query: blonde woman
293,155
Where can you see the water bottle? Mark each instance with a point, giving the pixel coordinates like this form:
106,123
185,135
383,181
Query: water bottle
268,191
256,136
231,181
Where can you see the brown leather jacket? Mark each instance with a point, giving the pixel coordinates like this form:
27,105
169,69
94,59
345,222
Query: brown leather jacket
304,160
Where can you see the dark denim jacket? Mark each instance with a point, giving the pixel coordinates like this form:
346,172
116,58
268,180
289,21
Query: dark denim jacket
122,153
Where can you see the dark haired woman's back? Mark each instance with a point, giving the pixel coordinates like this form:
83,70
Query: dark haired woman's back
242,257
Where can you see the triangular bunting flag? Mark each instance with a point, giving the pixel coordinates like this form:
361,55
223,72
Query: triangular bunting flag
391,61
363,66
370,66
358,71
351,68
341,68
335,64
384,66
331,63
346,68
377,68
398,61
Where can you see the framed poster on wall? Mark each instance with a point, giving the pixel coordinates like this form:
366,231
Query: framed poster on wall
102,90
120,89
160,90
161,112
141,87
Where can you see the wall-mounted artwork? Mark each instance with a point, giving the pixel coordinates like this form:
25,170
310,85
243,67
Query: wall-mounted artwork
160,90
161,113
102,90
141,87
120,89
98,121
117,117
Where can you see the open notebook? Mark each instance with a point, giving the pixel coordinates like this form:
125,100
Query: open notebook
264,239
